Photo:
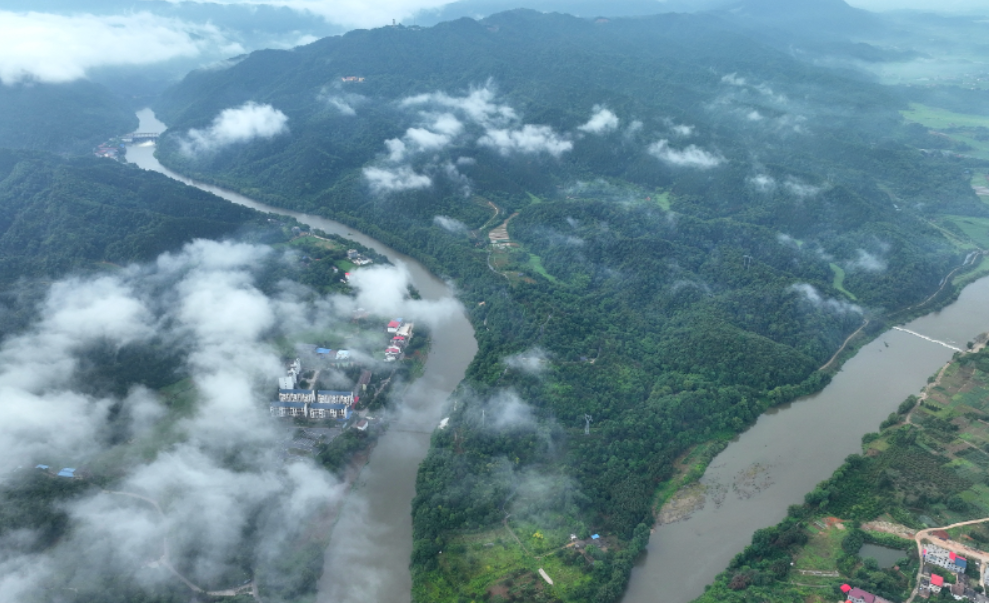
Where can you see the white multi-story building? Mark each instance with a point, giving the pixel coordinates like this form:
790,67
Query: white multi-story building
288,409
296,395
941,557
334,397
329,411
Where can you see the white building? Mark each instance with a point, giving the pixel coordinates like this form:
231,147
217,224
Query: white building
296,395
334,397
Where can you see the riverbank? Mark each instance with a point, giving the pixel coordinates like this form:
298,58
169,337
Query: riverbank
797,444
919,479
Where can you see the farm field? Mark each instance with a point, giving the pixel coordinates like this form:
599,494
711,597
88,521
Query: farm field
971,130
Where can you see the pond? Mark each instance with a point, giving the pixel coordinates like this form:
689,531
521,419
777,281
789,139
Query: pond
886,556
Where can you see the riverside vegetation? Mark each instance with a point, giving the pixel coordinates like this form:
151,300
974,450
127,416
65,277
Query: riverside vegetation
673,295
925,468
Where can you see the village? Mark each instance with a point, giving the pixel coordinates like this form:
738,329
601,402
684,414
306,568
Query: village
942,569
312,404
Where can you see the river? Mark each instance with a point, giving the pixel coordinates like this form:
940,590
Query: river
369,551
769,467
792,448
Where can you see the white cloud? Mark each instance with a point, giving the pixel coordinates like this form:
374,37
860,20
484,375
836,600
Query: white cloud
351,13
478,106
868,262
402,178
217,475
691,156
812,296
62,48
532,361
733,79
602,122
801,189
763,183
528,139
236,125
682,130
450,224
341,104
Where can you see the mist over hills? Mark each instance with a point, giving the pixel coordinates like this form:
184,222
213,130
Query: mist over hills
62,118
666,222
696,220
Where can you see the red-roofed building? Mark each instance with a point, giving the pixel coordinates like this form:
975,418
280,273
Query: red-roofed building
936,583
845,588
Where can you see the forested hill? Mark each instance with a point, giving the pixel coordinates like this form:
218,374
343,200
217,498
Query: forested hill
695,222
62,118
58,214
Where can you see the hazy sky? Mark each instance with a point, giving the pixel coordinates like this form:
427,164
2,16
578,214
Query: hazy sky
64,47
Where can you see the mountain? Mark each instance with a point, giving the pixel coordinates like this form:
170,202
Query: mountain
660,222
58,215
817,17
61,118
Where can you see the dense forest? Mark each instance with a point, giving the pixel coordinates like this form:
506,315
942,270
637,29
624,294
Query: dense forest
61,118
62,214
694,222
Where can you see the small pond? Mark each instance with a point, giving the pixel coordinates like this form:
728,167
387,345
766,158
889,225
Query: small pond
886,556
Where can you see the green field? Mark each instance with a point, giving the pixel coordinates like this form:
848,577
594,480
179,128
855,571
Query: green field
960,127
536,263
976,229
839,280
663,200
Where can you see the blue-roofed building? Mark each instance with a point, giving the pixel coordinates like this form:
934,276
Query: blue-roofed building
325,396
324,351
329,411
42,467
67,472
595,536
288,409
296,395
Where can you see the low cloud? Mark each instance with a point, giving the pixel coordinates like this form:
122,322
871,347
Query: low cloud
478,106
236,125
691,156
532,361
527,140
450,224
801,189
62,48
734,80
506,411
867,262
811,295
345,104
217,492
391,180
446,122
763,183
602,122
